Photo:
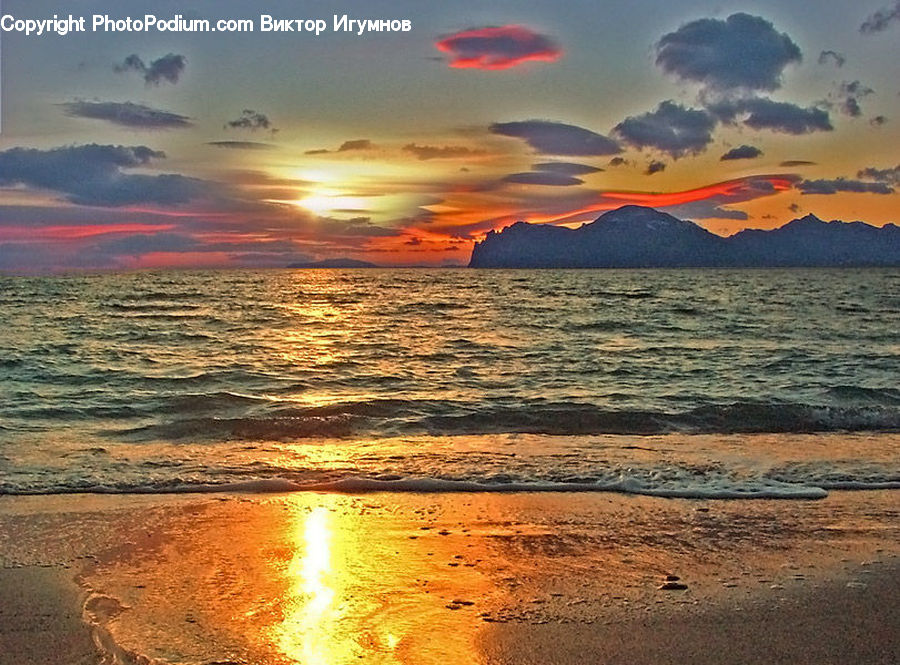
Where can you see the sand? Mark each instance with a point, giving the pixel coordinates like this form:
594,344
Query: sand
40,618
461,578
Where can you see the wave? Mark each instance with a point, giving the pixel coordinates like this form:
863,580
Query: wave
887,396
284,419
759,489
267,429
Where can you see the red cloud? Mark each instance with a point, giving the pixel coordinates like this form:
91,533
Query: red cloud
498,48
76,232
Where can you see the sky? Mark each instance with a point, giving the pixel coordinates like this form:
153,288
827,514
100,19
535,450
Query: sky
124,151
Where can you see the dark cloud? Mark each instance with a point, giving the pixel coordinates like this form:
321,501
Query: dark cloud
242,145
97,175
795,207
837,58
888,175
494,48
843,185
796,162
881,20
764,113
356,144
705,209
543,178
565,168
175,242
847,97
353,145
855,88
671,128
425,152
850,106
356,227
141,243
252,120
878,121
741,152
169,68
556,138
126,114
741,52
617,161
655,167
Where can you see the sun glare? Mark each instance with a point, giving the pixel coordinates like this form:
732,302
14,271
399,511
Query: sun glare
327,201
306,631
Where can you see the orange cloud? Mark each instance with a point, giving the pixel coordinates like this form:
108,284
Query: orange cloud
496,48
471,214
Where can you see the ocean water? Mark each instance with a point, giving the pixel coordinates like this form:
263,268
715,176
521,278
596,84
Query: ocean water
709,383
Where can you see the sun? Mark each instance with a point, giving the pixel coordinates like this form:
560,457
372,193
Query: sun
326,201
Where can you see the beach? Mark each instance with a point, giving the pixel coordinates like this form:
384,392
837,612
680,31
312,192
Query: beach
432,467
496,578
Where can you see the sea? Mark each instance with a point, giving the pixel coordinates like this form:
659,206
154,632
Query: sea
730,384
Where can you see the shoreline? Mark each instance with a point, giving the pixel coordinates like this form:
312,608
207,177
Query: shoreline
408,578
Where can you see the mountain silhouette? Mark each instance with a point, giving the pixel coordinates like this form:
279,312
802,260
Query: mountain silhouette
640,237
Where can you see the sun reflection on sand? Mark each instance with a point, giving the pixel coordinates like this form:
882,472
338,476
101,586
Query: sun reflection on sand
306,634
360,587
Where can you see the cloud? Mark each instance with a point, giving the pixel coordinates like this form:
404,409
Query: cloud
671,128
251,120
850,106
888,175
878,121
741,152
881,20
356,144
565,168
96,175
617,161
126,114
655,167
556,138
353,145
796,162
140,243
242,145
848,95
495,48
855,88
764,113
426,152
169,68
543,178
706,209
741,52
837,58
843,185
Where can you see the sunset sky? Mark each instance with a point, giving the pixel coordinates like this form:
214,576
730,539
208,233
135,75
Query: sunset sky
123,151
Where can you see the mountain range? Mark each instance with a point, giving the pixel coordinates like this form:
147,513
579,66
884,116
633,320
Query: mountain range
641,237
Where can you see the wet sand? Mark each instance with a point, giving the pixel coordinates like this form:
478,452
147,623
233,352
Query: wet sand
832,623
462,578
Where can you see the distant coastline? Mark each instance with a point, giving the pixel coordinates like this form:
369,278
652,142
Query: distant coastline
641,237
